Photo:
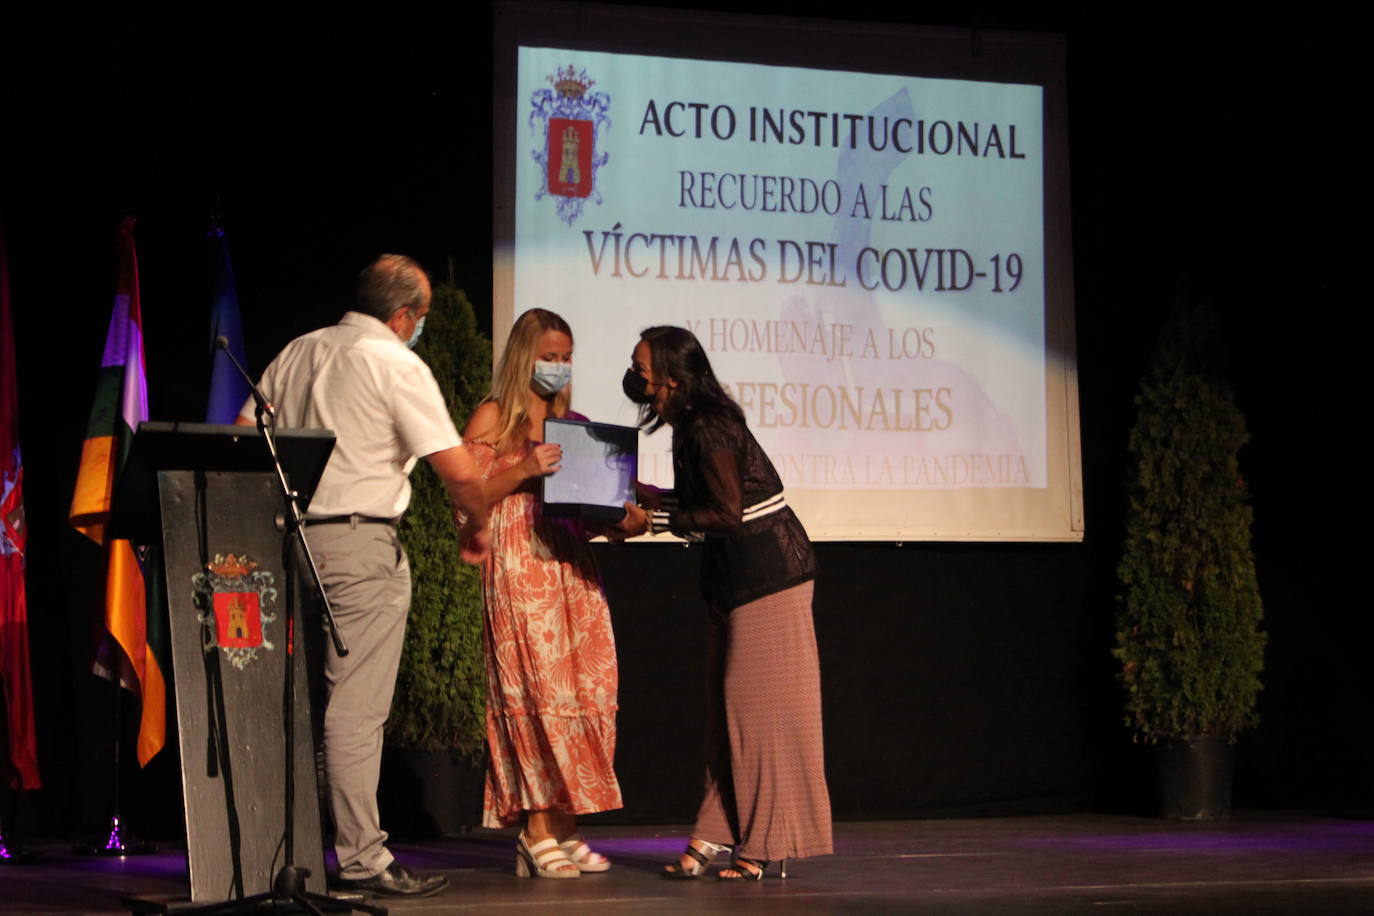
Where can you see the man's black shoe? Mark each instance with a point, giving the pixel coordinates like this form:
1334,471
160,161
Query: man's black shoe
396,881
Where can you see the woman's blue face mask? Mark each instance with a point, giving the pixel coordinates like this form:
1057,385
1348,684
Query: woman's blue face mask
550,378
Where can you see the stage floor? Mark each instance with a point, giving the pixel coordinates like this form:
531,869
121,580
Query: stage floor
1268,863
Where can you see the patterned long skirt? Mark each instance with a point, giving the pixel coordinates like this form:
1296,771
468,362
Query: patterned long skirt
551,666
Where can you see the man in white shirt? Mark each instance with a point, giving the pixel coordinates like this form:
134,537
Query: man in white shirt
360,379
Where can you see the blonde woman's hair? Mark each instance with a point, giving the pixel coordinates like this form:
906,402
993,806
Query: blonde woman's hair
510,386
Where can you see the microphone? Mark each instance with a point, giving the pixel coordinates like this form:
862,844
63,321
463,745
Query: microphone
259,398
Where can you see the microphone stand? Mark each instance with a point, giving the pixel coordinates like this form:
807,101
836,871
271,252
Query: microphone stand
267,424
288,893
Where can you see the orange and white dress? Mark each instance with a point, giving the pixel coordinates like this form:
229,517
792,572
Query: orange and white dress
551,667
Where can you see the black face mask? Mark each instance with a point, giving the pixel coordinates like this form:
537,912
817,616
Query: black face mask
636,387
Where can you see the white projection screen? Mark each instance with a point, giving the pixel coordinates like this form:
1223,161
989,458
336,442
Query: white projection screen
866,226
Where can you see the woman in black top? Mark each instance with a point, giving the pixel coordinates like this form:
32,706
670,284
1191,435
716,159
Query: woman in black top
765,775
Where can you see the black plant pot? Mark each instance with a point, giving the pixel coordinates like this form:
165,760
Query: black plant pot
426,794
1195,778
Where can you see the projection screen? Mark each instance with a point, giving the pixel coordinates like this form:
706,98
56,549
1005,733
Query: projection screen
866,227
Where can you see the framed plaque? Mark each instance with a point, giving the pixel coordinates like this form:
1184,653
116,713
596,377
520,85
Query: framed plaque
597,474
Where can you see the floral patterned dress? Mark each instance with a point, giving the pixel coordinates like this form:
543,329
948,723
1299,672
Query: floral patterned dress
551,666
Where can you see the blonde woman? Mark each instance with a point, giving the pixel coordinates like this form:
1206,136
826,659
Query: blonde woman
550,652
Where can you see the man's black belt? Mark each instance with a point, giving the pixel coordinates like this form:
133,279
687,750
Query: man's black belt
352,520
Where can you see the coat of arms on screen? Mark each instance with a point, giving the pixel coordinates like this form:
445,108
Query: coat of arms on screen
573,117
235,601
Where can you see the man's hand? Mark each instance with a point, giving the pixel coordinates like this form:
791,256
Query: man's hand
461,478
474,542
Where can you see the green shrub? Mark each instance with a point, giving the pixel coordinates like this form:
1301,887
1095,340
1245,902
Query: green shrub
440,698
1188,626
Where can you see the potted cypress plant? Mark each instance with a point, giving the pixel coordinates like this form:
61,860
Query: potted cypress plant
1188,631
436,735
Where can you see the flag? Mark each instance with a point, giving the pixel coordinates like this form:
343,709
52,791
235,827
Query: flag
15,679
228,390
121,403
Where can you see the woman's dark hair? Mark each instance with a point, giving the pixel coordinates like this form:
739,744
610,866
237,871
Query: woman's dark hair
677,354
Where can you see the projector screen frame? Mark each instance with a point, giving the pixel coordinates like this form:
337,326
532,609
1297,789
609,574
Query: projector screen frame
1055,512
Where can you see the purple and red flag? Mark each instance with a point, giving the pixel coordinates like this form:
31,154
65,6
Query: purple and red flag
15,673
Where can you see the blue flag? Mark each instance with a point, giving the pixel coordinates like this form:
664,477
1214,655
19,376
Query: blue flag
228,390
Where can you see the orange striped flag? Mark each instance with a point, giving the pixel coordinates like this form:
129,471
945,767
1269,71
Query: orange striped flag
121,403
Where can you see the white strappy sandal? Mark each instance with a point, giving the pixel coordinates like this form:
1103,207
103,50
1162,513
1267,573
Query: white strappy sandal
544,859
701,858
583,856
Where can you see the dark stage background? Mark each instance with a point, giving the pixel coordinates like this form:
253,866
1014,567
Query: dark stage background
958,677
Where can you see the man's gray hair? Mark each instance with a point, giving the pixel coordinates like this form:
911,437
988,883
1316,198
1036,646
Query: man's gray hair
389,284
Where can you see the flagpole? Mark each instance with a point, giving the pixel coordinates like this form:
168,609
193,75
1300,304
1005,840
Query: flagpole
11,854
116,842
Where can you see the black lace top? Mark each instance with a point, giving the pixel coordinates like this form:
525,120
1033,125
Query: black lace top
721,472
